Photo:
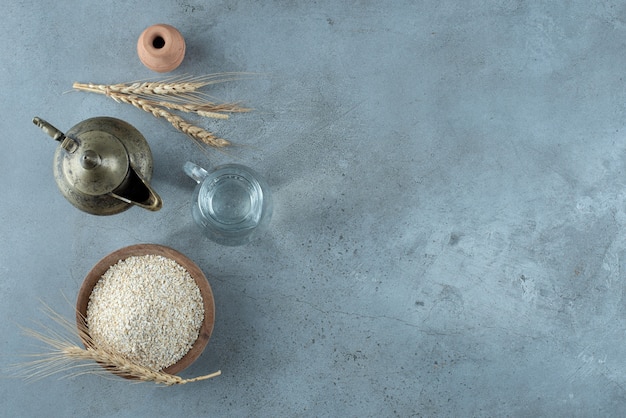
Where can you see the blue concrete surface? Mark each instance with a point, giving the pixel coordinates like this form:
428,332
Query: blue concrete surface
448,235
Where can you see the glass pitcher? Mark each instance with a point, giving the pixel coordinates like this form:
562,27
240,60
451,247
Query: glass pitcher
232,203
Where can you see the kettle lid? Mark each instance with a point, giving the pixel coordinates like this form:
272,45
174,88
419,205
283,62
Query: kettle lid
98,165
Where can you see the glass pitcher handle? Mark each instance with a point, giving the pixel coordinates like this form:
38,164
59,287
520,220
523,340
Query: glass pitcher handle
195,171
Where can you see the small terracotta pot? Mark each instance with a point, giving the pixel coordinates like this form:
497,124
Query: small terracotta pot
161,48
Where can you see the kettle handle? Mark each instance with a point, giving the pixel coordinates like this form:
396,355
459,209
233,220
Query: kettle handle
195,171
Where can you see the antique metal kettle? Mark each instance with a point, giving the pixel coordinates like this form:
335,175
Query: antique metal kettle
103,166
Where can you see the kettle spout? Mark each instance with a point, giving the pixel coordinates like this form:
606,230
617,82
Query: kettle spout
136,191
67,143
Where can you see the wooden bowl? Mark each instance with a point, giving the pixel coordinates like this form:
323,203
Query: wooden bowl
144,249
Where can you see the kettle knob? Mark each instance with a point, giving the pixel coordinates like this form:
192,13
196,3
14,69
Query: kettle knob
90,159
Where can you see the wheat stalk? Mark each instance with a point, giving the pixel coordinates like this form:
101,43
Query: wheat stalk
140,88
180,94
64,356
121,365
179,123
207,109
172,86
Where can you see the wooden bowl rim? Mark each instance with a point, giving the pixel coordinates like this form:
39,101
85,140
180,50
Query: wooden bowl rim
145,249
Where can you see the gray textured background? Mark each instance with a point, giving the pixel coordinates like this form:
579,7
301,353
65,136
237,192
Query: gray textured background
449,204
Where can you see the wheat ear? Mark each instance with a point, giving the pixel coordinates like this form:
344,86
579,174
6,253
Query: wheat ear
121,365
178,91
179,94
156,88
200,109
206,109
64,355
179,123
169,86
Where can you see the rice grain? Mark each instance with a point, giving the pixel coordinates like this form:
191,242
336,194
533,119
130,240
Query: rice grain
147,308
